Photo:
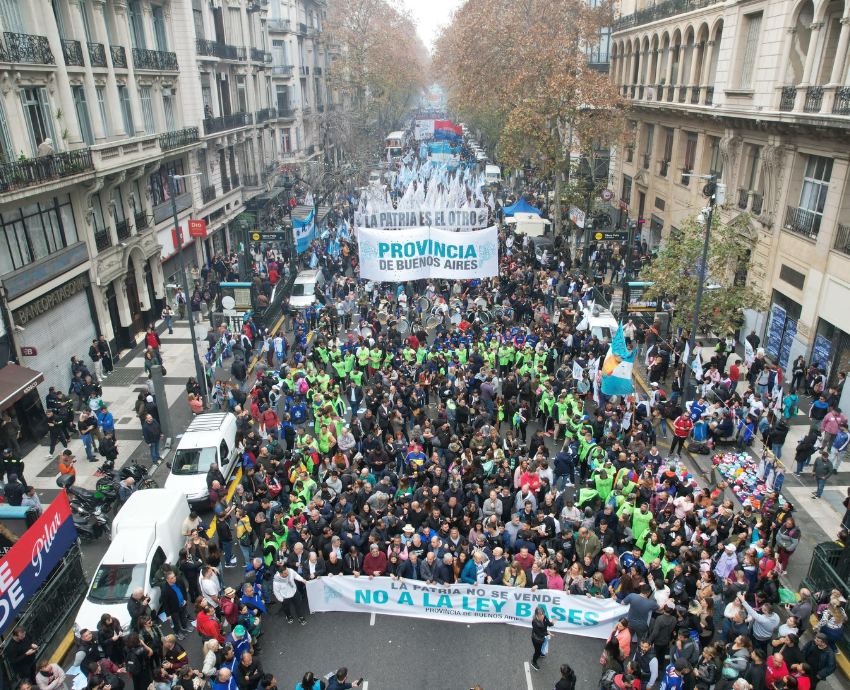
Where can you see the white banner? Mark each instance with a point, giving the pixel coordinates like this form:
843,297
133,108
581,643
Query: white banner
423,129
577,615
577,216
427,253
454,218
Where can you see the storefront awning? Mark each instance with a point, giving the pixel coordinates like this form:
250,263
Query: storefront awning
15,382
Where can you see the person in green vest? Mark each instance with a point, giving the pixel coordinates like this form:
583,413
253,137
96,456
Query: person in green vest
627,507
323,380
587,495
562,415
506,352
546,402
362,357
586,445
598,456
356,377
408,353
375,357
340,407
604,482
323,353
461,354
325,439
421,353
270,547
668,562
640,522
653,548
341,370
349,362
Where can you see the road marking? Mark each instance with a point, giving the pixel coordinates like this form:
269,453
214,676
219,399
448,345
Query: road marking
365,685
528,676
372,619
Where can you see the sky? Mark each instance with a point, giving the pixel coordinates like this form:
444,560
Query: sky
430,16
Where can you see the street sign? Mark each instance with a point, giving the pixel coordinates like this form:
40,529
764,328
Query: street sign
197,228
607,195
230,312
228,302
610,236
271,236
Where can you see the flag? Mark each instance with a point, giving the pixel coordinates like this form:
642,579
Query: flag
314,261
578,372
749,354
584,323
696,365
617,367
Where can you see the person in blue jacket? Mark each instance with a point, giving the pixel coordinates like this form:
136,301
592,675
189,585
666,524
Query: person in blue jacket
224,680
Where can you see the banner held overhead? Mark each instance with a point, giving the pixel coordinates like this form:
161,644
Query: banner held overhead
462,603
388,219
427,253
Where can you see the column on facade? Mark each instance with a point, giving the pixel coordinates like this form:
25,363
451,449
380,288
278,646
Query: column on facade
88,79
109,197
706,71
66,97
693,80
138,267
120,8
125,318
840,52
811,59
116,123
158,277
629,71
668,77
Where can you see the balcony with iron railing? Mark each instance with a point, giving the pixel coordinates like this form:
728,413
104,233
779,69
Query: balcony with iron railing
142,221
123,229
282,70
265,114
683,94
302,28
102,239
119,56
182,137
34,171
802,222
160,60
224,51
317,71
842,239
28,49
814,99
286,113
225,122
661,10
258,55
841,104
786,100
208,193
279,25
72,51
97,54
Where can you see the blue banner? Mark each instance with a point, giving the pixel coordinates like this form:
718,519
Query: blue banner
820,354
787,341
305,232
774,335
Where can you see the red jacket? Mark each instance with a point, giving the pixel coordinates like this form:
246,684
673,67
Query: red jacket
682,426
209,627
270,419
152,340
375,565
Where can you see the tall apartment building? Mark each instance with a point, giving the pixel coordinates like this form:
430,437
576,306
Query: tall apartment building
128,92
757,92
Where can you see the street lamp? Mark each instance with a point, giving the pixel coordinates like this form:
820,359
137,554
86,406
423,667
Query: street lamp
716,195
199,371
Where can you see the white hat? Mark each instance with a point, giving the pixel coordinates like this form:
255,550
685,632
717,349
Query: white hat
730,547
608,549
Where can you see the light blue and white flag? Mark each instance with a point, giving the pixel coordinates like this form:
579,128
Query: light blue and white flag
617,367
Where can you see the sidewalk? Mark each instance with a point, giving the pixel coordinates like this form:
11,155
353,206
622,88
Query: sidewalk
120,392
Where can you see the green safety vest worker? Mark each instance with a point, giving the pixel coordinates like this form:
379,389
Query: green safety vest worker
451,405
461,355
362,356
335,354
501,411
349,363
356,377
323,353
585,447
409,354
340,369
598,458
586,496
562,412
339,423
539,359
490,357
603,485
505,356
269,552
640,523
324,442
625,508
667,566
323,379
651,552
420,355
546,402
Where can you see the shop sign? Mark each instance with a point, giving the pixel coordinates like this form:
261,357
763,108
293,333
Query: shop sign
197,228
45,303
35,274
29,352
624,205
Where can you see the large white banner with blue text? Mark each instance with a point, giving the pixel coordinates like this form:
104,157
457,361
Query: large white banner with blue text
397,256
577,615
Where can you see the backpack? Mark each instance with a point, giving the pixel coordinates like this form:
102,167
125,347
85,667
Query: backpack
303,386
607,681
132,663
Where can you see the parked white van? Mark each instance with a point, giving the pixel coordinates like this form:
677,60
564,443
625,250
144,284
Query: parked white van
209,438
147,532
303,291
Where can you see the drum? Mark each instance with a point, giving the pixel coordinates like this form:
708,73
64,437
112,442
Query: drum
431,322
366,331
456,318
485,317
383,316
499,312
481,302
456,303
424,303
402,326
435,310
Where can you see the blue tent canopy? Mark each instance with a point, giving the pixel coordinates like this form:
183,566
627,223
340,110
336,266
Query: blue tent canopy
521,206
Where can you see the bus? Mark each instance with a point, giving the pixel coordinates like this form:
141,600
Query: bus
393,146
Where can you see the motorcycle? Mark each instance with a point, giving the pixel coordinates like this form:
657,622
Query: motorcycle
112,477
102,497
91,525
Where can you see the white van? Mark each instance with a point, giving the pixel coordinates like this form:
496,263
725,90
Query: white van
303,291
493,176
147,532
481,156
602,323
209,438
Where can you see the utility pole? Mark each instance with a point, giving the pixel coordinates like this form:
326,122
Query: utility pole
716,195
199,370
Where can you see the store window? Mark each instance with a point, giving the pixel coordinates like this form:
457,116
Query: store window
33,232
159,182
781,327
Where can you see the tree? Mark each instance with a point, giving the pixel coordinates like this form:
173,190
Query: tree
522,67
728,289
381,64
